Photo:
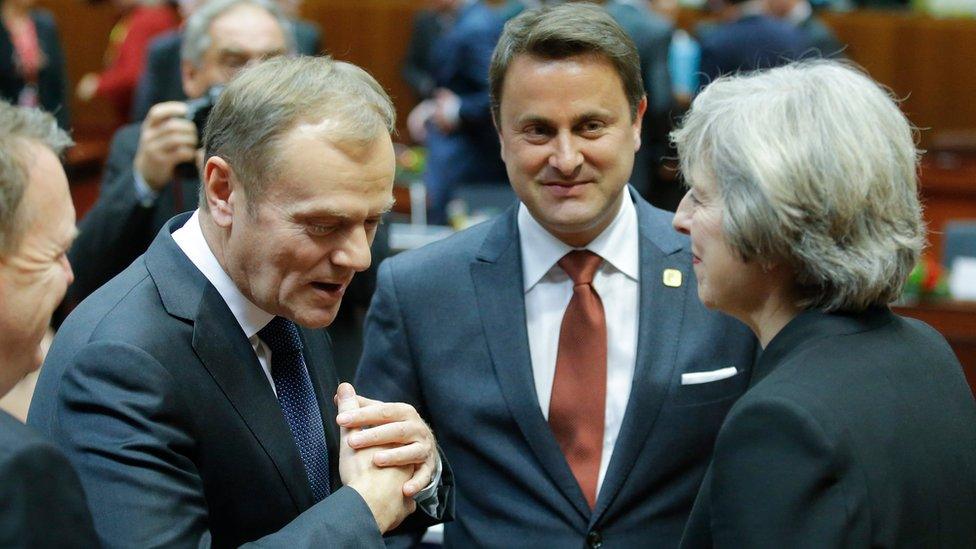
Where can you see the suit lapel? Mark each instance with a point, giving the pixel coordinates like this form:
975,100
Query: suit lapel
227,355
230,359
497,278
659,328
318,359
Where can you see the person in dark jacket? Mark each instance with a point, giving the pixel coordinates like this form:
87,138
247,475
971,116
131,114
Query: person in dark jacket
32,72
43,504
857,426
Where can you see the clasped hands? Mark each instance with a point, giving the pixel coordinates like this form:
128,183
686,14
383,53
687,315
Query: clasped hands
387,454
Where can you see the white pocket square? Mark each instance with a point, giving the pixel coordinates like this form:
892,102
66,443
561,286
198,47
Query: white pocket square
695,378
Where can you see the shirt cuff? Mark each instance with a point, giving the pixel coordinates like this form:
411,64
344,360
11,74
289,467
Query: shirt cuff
427,499
146,195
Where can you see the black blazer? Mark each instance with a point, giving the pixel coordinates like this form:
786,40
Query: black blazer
52,81
858,430
42,501
157,398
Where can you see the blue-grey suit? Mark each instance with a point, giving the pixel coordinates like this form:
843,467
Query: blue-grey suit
446,332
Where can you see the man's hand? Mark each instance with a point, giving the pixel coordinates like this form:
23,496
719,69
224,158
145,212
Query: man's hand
381,488
399,428
447,111
166,140
417,120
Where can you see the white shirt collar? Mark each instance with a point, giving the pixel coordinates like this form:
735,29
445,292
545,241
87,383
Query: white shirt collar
190,239
617,244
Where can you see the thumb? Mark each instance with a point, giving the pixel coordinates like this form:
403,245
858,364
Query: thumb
346,398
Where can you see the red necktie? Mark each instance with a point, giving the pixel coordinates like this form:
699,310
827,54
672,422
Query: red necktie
579,389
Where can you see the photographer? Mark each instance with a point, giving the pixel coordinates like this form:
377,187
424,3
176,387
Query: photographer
150,174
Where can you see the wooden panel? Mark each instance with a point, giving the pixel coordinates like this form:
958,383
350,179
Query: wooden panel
948,191
923,60
374,35
84,29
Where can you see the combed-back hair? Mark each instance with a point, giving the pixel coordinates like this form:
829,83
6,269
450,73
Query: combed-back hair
562,31
264,102
816,166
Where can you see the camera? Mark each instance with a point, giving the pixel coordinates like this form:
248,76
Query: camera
198,111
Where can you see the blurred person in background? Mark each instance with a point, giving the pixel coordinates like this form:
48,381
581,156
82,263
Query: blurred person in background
746,38
799,13
162,80
43,502
140,21
142,186
652,35
32,72
857,428
455,123
429,24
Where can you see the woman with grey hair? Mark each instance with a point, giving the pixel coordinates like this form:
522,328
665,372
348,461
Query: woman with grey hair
858,428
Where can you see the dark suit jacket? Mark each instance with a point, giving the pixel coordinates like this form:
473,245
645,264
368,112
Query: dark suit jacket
157,398
43,504
418,64
163,78
446,332
749,43
857,430
52,81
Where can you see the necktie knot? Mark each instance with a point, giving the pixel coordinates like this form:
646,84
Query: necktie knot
281,336
581,266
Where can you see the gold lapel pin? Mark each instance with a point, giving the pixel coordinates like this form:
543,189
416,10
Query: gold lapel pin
672,278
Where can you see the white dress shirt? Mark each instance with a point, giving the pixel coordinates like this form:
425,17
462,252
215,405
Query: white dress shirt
548,290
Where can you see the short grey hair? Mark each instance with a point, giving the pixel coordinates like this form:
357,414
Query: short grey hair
267,100
196,32
562,31
816,167
18,127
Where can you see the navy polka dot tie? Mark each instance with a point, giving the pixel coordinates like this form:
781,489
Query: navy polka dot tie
297,399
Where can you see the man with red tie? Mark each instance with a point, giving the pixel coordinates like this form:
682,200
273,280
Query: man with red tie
559,351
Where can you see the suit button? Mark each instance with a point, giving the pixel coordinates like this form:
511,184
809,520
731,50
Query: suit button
595,540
